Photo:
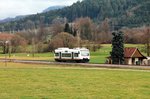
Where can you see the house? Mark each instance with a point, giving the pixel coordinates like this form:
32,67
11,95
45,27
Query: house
132,56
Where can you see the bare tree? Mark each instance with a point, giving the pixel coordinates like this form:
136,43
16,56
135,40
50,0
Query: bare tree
3,38
146,39
63,40
18,43
105,31
138,35
84,27
41,34
57,26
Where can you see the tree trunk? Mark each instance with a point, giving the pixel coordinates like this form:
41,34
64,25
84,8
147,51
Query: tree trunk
4,49
148,49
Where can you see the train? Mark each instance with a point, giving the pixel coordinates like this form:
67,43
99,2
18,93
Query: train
72,55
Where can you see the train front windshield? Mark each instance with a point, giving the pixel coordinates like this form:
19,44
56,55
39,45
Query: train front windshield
85,53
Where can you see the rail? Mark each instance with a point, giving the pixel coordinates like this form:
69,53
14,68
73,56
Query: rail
77,64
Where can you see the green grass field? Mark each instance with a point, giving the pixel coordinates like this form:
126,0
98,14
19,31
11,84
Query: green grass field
23,81
96,57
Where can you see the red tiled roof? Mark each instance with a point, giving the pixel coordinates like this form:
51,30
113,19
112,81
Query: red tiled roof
129,51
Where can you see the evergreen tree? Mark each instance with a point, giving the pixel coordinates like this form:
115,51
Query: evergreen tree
117,54
67,28
74,32
128,13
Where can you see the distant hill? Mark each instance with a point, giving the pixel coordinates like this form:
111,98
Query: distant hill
53,8
23,16
122,13
6,20
13,19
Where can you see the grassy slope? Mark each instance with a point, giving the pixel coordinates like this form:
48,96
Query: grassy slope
96,57
22,81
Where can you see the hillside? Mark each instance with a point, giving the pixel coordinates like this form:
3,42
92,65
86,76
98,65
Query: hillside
53,8
13,19
9,19
128,13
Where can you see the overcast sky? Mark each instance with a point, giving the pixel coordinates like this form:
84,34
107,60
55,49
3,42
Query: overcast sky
12,8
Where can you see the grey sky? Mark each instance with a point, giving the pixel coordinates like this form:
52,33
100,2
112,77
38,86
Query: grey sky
12,8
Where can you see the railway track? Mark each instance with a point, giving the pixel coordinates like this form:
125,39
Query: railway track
77,64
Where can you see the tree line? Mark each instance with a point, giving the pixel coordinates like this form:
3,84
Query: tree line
122,13
83,32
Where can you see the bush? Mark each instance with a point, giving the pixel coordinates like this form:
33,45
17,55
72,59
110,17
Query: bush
63,40
42,48
18,44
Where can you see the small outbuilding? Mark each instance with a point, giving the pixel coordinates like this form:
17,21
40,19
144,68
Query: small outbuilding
132,56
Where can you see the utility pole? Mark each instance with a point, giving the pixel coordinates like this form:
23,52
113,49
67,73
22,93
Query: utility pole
33,43
148,35
9,49
148,41
78,38
6,42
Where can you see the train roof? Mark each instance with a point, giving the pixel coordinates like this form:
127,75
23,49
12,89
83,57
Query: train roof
70,50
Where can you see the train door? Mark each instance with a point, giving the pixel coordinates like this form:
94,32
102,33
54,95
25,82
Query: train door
72,54
60,55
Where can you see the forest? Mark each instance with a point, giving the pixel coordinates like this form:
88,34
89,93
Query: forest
88,23
121,13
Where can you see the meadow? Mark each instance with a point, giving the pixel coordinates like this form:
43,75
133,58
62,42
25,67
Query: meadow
24,81
96,57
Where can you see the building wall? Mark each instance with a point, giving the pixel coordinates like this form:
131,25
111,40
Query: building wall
130,61
136,60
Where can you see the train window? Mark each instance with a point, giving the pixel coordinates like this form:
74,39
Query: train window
85,53
76,55
56,54
66,54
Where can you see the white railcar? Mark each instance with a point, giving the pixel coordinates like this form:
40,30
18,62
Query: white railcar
76,54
